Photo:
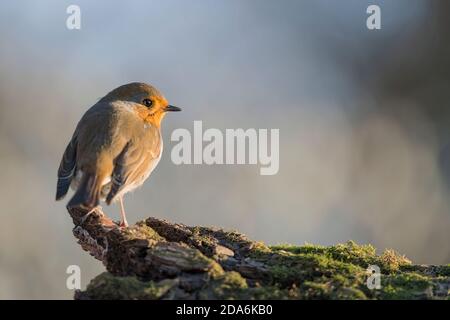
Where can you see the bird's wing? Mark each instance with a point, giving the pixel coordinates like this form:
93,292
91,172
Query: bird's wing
131,165
100,139
66,168
120,173
136,161
98,136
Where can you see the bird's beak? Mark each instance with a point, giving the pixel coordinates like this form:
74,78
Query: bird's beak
171,108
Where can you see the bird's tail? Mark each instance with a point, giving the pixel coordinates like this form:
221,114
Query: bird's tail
88,192
62,187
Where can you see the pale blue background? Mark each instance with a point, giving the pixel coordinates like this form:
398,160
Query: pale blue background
349,167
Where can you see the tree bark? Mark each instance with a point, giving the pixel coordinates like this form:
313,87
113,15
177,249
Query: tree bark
157,259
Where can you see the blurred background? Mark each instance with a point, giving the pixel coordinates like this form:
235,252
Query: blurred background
363,118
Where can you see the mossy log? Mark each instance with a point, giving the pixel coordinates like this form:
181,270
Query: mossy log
157,259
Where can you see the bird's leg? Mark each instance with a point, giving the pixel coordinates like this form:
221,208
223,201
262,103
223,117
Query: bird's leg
123,220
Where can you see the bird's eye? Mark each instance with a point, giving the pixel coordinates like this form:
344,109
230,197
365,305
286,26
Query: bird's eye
147,102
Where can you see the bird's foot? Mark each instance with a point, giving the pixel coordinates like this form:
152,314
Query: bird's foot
97,210
123,224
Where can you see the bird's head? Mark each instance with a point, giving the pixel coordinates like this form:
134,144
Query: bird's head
147,101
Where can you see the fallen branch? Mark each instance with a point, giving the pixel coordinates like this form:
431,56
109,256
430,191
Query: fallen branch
157,259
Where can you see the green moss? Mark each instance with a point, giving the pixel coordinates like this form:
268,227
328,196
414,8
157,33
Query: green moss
141,231
203,239
234,236
405,286
107,286
215,270
443,271
287,267
391,261
335,272
293,272
229,285
330,290
350,252
273,293
361,255
307,248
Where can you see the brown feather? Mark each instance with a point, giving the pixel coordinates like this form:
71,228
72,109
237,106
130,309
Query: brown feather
118,144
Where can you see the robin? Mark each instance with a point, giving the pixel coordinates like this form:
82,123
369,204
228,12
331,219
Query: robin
115,147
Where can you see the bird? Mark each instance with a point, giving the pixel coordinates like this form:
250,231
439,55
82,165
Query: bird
115,147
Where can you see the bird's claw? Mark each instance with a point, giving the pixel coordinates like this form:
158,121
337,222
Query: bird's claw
98,210
123,224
